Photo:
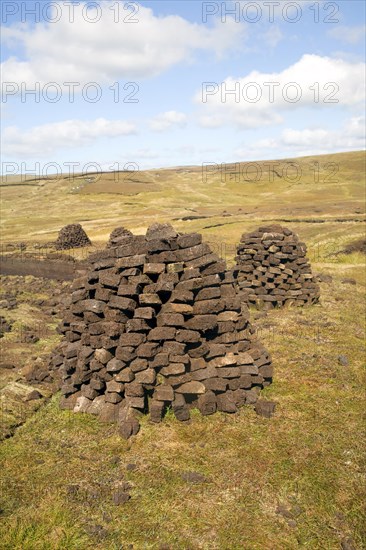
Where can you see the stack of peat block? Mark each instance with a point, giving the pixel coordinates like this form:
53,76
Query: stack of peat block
272,269
72,236
117,236
155,324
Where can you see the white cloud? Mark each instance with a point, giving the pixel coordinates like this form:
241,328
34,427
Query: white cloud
308,141
304,138
166,121
351,35
351,136
260,99
106,50
47,139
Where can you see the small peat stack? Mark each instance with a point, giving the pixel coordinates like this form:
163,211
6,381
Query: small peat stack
156,323
117,236
272,269
72,236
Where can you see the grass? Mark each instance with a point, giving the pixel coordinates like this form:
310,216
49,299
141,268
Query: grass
308,458
60,470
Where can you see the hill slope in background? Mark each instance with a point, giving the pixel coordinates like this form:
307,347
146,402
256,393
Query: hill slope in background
231,197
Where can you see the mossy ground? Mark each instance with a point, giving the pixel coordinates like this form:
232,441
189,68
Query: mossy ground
60,470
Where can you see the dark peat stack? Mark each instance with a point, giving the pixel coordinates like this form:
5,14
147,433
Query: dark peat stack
157,323
72,236
272,269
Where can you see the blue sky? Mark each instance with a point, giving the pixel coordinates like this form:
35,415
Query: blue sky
309,54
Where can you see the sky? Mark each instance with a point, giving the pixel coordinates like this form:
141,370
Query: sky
135,85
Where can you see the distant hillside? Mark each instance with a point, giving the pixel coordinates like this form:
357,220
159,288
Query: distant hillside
221,201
